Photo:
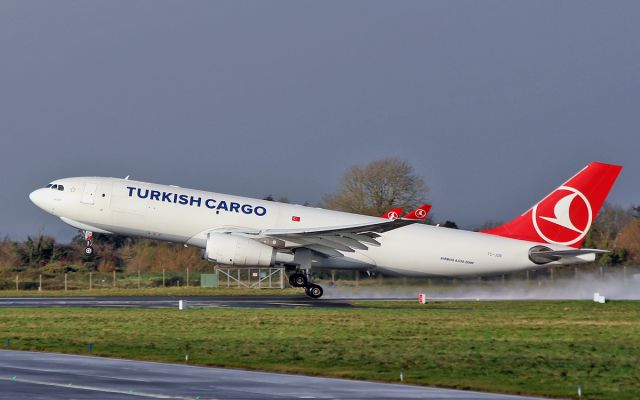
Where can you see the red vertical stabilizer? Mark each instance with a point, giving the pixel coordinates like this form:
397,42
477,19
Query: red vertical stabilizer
566,214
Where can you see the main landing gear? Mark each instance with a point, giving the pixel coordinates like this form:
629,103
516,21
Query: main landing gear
300,279
302,257
314,291
88,238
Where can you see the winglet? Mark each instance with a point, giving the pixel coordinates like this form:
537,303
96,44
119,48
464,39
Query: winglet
419,214
392,214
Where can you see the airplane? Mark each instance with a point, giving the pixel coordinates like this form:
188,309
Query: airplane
241,231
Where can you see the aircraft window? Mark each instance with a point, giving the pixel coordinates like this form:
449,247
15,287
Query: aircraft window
54,187
60,187
49,185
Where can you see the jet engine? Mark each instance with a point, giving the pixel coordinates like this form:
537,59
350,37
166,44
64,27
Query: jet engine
230,249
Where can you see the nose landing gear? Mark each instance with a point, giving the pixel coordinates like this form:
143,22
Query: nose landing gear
88,237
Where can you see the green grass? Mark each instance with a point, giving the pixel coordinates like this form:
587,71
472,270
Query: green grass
538,348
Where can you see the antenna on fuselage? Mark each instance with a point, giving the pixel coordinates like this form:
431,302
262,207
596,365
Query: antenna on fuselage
126,178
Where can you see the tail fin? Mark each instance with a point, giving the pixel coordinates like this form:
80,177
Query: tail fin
565,215
419,214
394,213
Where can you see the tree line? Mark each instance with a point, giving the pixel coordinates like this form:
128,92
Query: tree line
371,189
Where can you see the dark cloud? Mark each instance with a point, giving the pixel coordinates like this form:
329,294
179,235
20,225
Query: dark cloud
495,103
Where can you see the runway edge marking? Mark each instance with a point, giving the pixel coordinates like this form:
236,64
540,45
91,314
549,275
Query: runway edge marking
93,388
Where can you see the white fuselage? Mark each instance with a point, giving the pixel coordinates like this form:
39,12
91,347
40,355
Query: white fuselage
171,213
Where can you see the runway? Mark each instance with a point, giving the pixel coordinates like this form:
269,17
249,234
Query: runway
240,301
172,302
33,375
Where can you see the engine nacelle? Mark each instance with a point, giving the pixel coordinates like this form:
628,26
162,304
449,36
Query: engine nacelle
230,249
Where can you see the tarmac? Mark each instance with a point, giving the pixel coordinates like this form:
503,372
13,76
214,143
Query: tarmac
35,375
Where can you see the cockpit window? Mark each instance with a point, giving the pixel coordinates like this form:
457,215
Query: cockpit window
55,186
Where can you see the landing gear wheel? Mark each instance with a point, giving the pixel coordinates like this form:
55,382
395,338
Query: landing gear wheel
298,280
88,242
314,291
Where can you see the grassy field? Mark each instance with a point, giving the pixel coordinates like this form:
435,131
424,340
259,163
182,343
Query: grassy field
540,348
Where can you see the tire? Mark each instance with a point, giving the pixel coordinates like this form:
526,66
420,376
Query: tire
88,251
314,291
298,280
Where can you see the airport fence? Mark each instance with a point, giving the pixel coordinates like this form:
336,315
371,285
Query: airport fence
32,280
248,278
275,278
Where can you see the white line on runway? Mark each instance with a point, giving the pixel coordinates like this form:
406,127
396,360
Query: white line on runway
95,389
13,368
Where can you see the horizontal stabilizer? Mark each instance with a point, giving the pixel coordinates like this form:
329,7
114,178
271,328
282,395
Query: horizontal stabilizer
545,255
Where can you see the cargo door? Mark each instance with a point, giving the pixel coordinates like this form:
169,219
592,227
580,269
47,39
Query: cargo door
89,195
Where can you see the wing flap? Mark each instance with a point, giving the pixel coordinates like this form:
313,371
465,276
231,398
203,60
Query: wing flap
361,238
340,238
377,227
354,244
324,250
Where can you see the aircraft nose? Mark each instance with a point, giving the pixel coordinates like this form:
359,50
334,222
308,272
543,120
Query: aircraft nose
37,197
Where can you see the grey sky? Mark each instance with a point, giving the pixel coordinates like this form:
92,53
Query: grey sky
493,103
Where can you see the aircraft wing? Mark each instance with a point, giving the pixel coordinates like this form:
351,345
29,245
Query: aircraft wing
328,241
